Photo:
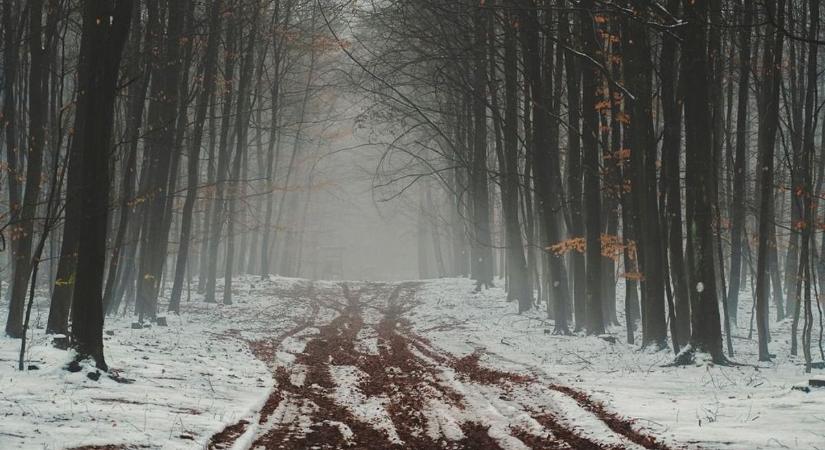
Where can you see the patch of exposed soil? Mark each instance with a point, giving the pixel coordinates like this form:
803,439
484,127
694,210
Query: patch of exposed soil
225,438
615,422
469,367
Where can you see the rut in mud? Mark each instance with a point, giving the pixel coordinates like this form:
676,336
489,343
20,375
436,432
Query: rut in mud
366,380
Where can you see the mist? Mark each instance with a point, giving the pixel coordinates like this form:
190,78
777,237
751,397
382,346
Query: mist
398,224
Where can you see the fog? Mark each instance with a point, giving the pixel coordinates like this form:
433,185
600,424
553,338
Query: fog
412,224
349,232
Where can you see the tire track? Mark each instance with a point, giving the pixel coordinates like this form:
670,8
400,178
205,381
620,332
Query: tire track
409,394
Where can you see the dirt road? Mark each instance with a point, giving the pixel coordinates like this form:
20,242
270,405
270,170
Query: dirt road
367,380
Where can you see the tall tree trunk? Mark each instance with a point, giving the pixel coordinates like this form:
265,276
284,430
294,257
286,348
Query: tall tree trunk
739,217
208,201
793,86
12,34
671,162
806,194
296,147
638,72
134,114
101,48
591,167
24,221
769,122
207,87
519,284
706,335
548,198
224,154
481,248
274,147
241,131
161,145
574,169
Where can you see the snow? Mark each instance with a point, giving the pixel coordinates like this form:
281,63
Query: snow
750,406
190,379
441,421
567,410
197,376
372,410
367,341
492,411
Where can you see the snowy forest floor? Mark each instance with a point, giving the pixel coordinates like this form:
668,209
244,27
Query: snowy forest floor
430,364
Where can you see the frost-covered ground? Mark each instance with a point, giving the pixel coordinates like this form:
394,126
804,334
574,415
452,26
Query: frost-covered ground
198,376
742,407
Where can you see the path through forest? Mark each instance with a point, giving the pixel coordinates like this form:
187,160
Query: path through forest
366,379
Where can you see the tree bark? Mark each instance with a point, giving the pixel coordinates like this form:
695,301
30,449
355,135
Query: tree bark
671,171
644,156
739,217
241,132
592,185
207,87
161,145
481,241
224,154
518,282
574,171
769,122
24,221
12,33
706,333
98,74
135,107
548,199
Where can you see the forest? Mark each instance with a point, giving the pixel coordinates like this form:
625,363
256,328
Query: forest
457,224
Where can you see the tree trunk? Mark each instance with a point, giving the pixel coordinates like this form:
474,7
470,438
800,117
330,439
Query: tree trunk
207,87
241,131
574,170
97,79
481,248
739,217
591,167
519,285
135,107
644,156
12,33
769,122
224,154
548,197
23,222
706,335
671,162
161,144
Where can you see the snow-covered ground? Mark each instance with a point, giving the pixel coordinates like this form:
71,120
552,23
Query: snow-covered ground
751,406
197,376
189,379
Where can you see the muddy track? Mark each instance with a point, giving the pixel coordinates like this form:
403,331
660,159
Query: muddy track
366,380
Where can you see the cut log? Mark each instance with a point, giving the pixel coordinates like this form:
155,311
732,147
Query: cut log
817,382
